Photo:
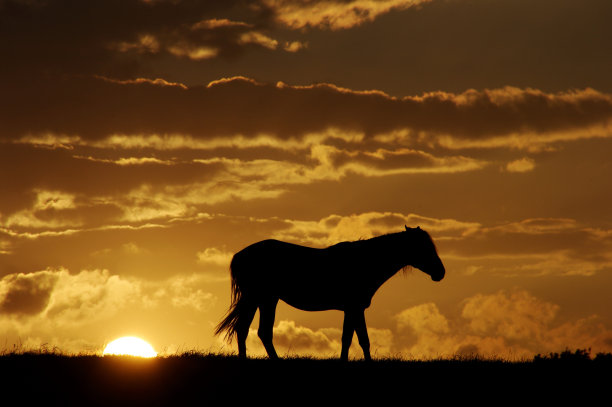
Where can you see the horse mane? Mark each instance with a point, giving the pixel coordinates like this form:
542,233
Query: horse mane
388,236
375,239
414,234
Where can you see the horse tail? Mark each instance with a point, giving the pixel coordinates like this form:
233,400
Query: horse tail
235,310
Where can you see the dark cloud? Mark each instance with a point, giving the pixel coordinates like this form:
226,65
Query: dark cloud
26,169
536,236
547,44
455,45
26,293
54,38
94,108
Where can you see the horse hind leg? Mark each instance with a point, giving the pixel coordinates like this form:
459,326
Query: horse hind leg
247,312
348,330
354,322
267,313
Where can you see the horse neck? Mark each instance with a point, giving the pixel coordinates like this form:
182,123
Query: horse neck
389,254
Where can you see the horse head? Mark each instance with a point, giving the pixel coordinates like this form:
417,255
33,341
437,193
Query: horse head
424,254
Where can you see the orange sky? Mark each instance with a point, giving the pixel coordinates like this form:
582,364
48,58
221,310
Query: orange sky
142,143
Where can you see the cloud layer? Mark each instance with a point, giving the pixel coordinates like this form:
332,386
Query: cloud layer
99,112
43,304
160,150
509,324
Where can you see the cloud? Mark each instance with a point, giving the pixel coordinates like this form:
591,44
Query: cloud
43,302
337,228
65,198
539,246
56,298
330,163
116,36
194,52
51,209
133,248
215,259
295,46
425,318
521,165
218,23
401,161
44,40
129,160
5,247
423,332
26,293
80,312
123,38
101,112
256,37
189,292
184,173
506,324
334,14
292,339
515,316
301,339
53,200
528,324
88,296
42,140
145,44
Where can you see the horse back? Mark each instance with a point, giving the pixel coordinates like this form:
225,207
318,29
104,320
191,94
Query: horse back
304,277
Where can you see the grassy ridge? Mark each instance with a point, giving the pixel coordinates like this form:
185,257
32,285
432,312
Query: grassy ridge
200,379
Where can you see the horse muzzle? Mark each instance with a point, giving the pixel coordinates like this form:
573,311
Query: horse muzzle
438,276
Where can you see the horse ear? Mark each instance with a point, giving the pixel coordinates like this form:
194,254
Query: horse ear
406,227
418,227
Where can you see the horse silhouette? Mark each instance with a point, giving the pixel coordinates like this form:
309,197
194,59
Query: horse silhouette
343,277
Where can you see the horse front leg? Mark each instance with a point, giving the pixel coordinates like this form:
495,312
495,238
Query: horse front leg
362,334
348,329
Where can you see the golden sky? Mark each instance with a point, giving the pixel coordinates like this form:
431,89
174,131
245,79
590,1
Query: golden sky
143,142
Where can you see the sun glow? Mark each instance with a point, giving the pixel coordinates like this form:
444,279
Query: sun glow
130,345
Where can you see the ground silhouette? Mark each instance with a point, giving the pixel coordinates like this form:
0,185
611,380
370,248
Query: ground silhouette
342,277
203,379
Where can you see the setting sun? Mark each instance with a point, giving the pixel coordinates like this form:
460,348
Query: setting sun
130,345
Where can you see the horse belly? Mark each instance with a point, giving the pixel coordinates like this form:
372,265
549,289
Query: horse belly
312,303
314,294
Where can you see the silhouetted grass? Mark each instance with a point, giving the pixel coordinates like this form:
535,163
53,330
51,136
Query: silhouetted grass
193,378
